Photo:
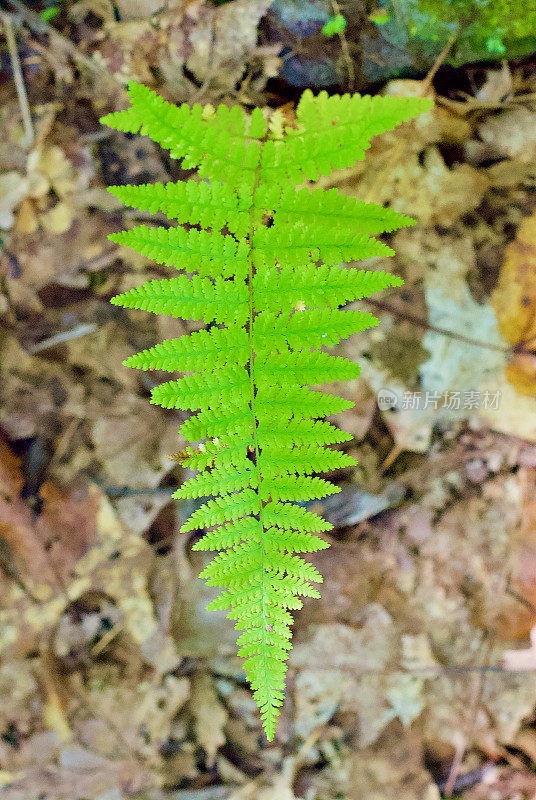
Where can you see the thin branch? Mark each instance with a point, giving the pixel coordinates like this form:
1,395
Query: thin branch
7,23
345,49
422,323
427,82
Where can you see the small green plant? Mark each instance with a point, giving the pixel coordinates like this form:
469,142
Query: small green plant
247,243
48,14
335,25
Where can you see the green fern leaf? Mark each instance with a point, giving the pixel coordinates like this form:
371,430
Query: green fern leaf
195,297
209,205
228,384
208,253
249,266
201,350
313,286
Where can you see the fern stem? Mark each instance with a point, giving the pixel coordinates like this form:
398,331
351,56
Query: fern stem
253,393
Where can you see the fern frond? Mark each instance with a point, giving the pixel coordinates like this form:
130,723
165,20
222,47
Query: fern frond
222,480
299,402
289,246
304,368
288,516
299,431
286,487
249,266
302,330
211,141
334,132
323,209
210,422
231,534
222,509
275,459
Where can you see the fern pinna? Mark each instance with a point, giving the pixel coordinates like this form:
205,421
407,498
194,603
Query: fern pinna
261,262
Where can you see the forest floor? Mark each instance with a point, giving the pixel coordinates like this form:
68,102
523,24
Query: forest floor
414,677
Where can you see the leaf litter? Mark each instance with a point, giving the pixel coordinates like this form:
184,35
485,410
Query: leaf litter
415,672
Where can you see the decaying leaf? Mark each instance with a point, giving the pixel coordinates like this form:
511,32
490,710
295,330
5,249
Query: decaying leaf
209,715
223,38
519,660
514,301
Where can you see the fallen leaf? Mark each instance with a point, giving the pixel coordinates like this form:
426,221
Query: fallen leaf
58,219
519,660
209,715
514,301
13,188
343,669
455,365
45,549
512,133
223,38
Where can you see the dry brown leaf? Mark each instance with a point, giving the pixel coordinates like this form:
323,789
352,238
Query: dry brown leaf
45,549
512,133
35,392
519,660
514,301
222,39
209,715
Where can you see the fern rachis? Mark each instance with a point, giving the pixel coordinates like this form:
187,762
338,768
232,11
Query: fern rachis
253,240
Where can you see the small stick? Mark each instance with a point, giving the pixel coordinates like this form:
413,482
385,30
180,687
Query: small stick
345,49
29,135
64,336
421,323
427,82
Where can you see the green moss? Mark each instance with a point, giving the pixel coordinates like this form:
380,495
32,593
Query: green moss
483,29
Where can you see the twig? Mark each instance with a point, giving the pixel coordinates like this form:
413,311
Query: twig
345,49
64,336
427,82
422,323
7,23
